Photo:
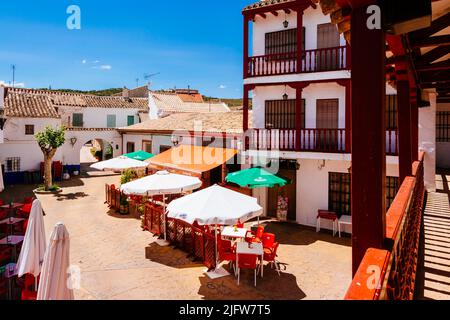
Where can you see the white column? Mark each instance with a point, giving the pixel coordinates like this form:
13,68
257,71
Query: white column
427,140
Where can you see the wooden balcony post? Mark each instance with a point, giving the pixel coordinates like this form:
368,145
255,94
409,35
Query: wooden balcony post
414,131
245,116
245,68
298,117
368,179
404,129
298,68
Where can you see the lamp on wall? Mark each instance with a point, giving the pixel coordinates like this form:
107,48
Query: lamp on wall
175,140
285,22
73,140
285,95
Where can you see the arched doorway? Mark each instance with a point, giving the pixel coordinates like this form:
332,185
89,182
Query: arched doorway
95,150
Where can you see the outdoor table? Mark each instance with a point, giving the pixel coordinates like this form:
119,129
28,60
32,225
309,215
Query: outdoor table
10,273
12,241
234,234
12,207
10,222
344,220
250,248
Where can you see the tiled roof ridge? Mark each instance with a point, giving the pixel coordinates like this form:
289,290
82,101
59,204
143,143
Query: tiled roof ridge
265,3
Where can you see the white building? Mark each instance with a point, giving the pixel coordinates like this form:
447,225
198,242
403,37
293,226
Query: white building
300,83
86,118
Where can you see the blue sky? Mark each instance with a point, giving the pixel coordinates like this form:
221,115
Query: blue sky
196,43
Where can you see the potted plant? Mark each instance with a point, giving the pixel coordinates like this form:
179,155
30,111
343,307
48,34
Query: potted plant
124,207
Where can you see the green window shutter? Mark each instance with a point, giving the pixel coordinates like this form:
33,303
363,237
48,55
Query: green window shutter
111,120
77,120
130,120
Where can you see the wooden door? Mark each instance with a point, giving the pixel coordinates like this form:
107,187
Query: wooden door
289,190
327,37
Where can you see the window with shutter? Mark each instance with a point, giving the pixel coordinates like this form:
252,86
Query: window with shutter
281,114
77,120
111,121
130,120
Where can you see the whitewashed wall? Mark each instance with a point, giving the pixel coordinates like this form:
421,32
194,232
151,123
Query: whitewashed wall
70,155
443,148
311,18
97,117
311,93
17,144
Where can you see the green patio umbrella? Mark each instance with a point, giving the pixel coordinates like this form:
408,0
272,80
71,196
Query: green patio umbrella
256,178
139,155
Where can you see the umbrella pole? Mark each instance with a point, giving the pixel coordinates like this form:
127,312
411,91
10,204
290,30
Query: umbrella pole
217,262
164,214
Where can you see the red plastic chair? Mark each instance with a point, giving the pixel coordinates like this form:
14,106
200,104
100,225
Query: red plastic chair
25,210
28,295
255,236
5,254
270,255
25,225
268,239
28,200
247,261
227,252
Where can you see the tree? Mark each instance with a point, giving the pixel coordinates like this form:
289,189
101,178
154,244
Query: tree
49,140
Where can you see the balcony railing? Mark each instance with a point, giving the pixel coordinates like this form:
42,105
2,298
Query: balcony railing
317,60
390,273
313,140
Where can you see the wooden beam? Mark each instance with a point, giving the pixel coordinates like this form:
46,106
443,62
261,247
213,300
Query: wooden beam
443,65
368,177
275,13
435,77
434,54
287,11
431,42
436,26
262,15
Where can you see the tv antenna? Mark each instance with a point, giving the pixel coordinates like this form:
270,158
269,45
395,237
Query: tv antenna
148,76
13,67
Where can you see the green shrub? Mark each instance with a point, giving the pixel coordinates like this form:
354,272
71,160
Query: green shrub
127,176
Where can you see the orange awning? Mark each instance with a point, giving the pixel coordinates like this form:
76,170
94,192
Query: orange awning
195,159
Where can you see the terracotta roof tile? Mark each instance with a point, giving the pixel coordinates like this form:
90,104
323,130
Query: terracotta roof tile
265,3
29,105
214,122
84,100
170,103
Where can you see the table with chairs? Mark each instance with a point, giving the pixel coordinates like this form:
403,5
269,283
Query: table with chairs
13,224
245,249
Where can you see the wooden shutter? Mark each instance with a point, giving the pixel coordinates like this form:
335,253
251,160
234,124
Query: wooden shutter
281,114
77,120
279,42
130,120
111,121
327,114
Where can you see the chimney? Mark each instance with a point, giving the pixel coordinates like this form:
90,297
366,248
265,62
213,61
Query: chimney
125,92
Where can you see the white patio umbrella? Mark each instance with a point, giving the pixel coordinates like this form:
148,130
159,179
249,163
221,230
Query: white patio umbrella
215,205
54,282
2,186
34,244
119,163
162,183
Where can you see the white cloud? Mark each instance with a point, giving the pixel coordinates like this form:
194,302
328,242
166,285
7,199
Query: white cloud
103,67
84,61
222,86
96,61
16,84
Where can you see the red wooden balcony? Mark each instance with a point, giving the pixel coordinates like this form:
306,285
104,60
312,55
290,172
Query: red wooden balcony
317,60
389,273
313,140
